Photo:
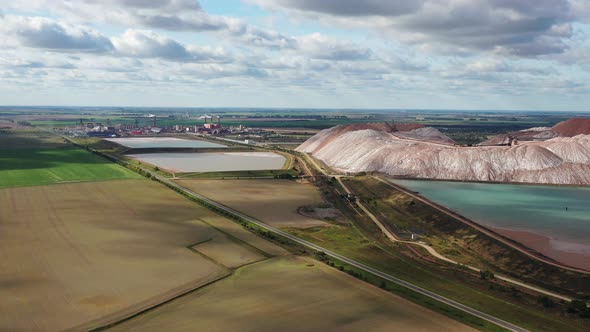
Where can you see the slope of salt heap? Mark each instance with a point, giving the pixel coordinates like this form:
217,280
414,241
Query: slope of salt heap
560,160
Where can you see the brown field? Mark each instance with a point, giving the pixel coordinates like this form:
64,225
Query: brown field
225,251
236,230
272,201
80,255
290,294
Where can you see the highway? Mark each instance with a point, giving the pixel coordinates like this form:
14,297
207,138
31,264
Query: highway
425,292
499,322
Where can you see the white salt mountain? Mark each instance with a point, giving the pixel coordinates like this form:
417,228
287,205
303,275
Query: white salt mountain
560,160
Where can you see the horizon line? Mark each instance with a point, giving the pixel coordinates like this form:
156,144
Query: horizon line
296,108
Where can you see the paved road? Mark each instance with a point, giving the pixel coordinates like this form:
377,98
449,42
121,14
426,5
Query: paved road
349,261
420,290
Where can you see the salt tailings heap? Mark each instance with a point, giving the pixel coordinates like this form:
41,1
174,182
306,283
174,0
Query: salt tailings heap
573,127
421,152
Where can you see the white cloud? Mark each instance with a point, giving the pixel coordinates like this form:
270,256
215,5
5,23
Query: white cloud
40,32
495,65
171,14
256,37
439,48
147,44
524,27
318,46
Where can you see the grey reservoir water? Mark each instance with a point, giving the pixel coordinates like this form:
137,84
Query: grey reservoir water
213,161
561,214
163,142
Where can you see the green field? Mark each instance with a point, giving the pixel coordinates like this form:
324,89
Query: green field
34,167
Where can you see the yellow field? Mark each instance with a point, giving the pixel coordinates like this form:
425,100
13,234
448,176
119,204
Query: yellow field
272,201
290,294
79,255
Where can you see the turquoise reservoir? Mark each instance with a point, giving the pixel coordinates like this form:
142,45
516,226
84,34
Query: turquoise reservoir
560,214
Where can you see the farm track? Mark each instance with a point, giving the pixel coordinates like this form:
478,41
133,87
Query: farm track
366,268
480,228
107,322
361,266
391,236
446,211
464,220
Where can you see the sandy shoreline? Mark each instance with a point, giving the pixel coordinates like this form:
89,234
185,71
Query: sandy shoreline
552,248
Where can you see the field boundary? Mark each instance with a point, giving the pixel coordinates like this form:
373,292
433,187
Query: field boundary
125,318
238,241
322,252
191,248
283,237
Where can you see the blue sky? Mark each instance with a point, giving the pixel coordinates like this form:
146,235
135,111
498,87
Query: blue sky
447,54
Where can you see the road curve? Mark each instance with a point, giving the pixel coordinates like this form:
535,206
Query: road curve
431,250
361,266
391,236
466,221
499,322
478,227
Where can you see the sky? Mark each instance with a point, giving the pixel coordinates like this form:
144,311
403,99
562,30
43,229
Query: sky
404,54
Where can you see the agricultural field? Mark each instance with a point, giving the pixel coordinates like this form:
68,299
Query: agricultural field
236,231
33,167
362,240
290,294
225,251
272,201
28,138
31,158
399,260
83,254
85,243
